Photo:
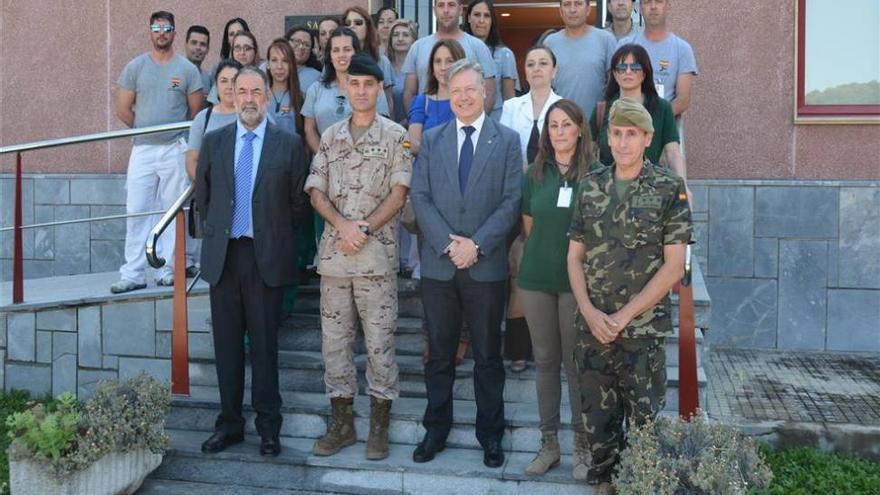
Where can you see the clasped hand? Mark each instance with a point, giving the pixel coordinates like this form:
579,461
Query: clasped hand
352,238
462,251
605,328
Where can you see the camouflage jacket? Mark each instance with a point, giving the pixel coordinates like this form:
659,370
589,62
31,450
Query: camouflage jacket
625,243
357,177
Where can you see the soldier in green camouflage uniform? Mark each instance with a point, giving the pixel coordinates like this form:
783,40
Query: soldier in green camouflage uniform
628,236
358,182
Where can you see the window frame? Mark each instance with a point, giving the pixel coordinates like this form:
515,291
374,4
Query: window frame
821,114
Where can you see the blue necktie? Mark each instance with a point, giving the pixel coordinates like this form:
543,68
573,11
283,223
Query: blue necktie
466,157
241,215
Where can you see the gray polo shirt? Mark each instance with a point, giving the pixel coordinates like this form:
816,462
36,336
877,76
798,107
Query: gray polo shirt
419,56
582,65
160,93
327,105
670,58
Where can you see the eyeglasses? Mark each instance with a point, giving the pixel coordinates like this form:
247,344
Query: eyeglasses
300,43
161,28
242,48
340,101
354,22
621,67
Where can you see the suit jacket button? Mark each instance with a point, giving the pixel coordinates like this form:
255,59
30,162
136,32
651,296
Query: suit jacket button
226,231
231,202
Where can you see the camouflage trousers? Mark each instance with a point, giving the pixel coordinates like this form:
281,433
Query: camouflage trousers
620,383
373,300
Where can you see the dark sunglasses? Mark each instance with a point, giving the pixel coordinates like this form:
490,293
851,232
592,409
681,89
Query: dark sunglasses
161,28
355,22
621,67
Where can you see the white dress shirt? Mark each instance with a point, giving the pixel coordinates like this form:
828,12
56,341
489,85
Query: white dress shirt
517,114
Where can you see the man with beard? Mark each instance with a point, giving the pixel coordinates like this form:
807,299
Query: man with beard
157,87
249,183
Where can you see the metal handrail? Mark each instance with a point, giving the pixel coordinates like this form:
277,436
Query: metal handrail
152,257
99,136
121,216
687,278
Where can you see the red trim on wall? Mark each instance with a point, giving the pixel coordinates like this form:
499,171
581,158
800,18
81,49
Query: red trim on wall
818,110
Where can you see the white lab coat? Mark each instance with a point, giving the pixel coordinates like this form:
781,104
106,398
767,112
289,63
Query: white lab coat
517,114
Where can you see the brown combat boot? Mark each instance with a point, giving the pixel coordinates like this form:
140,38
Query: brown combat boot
548,456
380,418
340,430
580,459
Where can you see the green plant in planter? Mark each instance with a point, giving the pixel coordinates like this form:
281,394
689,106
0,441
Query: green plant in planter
46,431
674,457
120,417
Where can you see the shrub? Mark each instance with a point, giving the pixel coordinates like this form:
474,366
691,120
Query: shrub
120,417
674,457
806,471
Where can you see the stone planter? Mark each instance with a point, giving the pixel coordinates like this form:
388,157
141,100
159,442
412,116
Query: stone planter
115,473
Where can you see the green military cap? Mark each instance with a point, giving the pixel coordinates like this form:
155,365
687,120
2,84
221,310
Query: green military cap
627,112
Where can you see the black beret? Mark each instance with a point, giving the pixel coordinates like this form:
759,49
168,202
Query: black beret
363,65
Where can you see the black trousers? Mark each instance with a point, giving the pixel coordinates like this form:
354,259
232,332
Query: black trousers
481,304
240,301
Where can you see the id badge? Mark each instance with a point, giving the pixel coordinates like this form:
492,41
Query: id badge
660,87
564,199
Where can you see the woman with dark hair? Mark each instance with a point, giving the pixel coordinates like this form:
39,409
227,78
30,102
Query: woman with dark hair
325,26
287,98
233,27
359,20
214,117
564,156
403,34
632,77
244,51
385,17
302,40
525,114
481,21
431,108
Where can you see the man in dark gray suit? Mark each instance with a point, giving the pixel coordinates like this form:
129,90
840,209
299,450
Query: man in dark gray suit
249,190
465,192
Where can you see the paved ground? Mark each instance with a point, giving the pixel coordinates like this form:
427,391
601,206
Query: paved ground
762,385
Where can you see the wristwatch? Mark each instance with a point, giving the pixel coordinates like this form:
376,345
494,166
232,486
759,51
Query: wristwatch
365,229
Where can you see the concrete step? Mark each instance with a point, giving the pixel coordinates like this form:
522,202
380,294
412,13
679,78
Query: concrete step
306,413
453,471
303,371
302,332
171,487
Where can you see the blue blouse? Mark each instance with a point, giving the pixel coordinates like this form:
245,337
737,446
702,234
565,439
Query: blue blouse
429,112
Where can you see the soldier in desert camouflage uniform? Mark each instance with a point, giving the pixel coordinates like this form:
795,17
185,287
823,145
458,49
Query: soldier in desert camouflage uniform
359,181
628,237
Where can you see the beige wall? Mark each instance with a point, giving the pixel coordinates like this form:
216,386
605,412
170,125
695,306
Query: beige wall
59,62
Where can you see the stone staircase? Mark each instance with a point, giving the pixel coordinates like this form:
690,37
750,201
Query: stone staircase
459,469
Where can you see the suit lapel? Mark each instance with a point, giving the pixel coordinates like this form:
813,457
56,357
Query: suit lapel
485,145
268,142
449,147
228,156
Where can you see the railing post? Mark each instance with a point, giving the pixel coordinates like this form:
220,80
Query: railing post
688,386
17,253
180,325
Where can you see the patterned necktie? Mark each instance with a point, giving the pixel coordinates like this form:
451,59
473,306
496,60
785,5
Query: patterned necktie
466,157
241,215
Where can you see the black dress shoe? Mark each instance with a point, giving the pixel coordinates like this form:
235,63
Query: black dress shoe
427,449
493,456
220,441
270,446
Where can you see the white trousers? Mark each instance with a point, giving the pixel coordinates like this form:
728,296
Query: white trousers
156,177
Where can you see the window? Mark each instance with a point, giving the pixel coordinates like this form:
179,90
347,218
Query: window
838,61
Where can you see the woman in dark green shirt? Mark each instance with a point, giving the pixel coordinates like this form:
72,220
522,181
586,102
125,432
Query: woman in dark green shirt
632,76
549,186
